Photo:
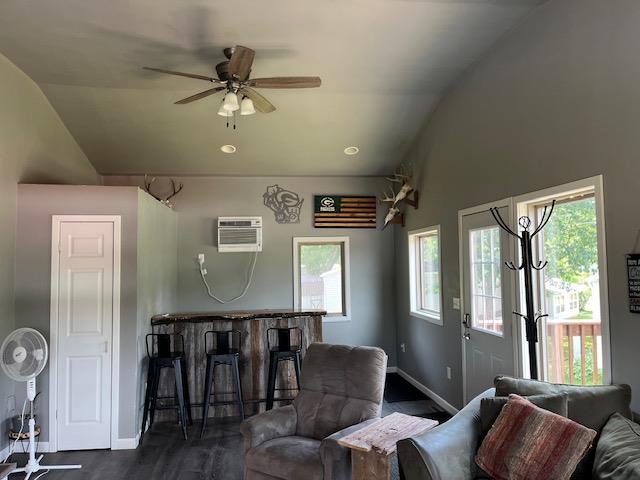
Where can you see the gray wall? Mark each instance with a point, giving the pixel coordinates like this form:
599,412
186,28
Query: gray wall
36,205
34,146
157,278
557,100
203,199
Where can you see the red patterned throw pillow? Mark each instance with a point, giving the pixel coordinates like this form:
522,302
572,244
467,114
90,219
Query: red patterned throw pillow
529,443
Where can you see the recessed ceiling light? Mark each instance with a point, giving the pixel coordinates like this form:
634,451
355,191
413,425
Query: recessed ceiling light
228,148
351,150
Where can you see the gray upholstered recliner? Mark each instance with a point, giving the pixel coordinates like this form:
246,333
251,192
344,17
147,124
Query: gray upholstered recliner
341,388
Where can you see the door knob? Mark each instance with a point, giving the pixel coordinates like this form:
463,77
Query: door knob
467,324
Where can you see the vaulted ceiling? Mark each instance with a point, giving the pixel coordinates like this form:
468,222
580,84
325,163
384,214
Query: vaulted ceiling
384,64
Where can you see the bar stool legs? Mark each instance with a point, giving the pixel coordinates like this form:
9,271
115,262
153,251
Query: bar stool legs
208,384
275,358
181,388
209,387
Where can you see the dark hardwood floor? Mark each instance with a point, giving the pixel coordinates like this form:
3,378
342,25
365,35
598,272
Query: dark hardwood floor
164,454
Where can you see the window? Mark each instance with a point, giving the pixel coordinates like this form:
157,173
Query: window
572,289
424,272
321,275
486,275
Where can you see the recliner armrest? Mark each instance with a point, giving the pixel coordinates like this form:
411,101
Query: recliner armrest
447,451
336,459
276,423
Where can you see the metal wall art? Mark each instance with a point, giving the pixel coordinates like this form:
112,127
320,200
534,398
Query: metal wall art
285,204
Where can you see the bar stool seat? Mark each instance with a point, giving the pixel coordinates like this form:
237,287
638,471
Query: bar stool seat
283,350
161,354
224,351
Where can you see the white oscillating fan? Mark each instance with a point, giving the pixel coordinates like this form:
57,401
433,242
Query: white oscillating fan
23,355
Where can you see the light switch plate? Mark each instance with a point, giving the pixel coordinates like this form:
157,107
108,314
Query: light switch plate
456,303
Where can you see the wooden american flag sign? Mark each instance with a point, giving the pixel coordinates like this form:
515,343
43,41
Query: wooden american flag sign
344,211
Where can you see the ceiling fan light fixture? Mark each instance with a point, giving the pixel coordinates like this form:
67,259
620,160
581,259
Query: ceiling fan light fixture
246,107
224,113
351,150
230,102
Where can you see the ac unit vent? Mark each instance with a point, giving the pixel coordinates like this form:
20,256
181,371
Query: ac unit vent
240,234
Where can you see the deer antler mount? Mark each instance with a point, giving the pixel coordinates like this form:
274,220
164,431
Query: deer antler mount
166,200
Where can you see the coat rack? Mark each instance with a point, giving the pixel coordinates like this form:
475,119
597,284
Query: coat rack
527,266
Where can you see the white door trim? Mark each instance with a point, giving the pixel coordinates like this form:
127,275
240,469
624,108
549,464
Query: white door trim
53,322
504,203
596,184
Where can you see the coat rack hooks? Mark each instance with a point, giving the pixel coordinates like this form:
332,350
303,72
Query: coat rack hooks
527,266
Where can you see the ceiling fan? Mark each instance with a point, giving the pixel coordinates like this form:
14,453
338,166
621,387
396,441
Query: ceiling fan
233,78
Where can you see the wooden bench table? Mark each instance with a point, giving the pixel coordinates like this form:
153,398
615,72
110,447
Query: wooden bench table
372,446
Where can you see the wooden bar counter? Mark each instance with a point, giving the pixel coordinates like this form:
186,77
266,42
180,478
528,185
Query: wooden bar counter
254,355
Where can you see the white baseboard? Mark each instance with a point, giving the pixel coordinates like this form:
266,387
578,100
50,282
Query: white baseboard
4,452
427,391
42,447
392,369
126,443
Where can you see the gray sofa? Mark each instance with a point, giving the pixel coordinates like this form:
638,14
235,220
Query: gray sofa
447,451
341,391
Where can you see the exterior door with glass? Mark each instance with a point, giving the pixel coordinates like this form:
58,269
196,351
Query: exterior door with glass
488,347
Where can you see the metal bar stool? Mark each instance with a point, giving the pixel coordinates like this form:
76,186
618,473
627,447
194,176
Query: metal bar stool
283,350
162,352
225,350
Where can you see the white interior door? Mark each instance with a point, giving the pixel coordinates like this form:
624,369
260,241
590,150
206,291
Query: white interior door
85,322
487,293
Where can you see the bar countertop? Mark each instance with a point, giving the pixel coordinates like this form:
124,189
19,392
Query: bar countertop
197,317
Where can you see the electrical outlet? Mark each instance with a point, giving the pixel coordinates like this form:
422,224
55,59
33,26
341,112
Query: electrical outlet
456,303
201,258
403,347
449,373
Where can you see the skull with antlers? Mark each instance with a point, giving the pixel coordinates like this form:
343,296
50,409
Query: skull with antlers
166,200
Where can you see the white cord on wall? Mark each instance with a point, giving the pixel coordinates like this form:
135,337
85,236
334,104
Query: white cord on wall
203,274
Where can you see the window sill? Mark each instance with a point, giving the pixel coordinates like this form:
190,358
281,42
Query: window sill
335,319
435,319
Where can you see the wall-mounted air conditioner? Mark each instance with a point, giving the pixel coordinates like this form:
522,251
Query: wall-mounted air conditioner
239,234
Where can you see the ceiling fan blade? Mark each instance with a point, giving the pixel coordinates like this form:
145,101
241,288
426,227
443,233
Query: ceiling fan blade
285,82
182,74
262,104
200,95
240,62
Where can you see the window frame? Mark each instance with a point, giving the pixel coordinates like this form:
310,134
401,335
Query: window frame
416,274
526,205
298,242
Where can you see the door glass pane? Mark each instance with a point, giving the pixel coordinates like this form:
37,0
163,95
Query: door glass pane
429,254
571,291
321,277
486,287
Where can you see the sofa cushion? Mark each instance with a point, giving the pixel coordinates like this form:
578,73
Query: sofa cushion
590,406
290,458
491,407
582,401
618,451
530,443
340,386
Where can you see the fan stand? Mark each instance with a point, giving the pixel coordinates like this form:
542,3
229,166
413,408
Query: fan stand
33,465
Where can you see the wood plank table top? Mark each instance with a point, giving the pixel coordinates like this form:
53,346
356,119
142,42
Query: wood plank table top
382,436
202,317
6,469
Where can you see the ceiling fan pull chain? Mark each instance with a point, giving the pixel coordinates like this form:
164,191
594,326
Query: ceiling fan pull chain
234,120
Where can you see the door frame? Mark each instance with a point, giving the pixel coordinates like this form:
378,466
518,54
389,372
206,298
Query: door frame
594,183
509,205
56,221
